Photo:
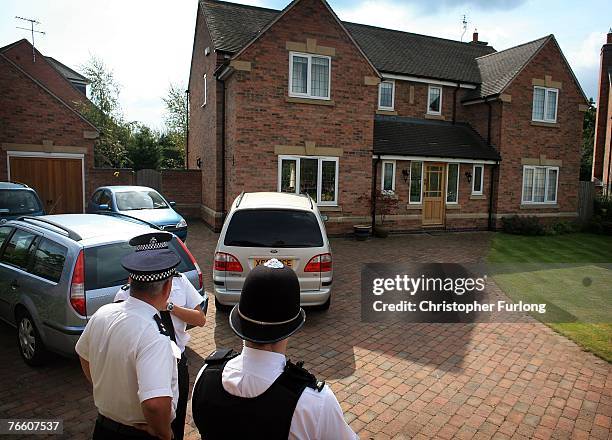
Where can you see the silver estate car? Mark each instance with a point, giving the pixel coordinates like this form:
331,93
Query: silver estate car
266,225
57,270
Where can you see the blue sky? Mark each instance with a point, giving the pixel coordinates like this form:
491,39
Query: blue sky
147,43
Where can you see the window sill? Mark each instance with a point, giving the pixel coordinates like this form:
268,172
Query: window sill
381,111
453,206
545,124
539,206
414,206
478,197
313,101
434,116
330,208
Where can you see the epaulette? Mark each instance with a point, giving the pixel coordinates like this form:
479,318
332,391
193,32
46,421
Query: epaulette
220,355
298,371
125,287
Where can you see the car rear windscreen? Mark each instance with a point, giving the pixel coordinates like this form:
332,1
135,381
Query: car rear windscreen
103,264
18,202
280,228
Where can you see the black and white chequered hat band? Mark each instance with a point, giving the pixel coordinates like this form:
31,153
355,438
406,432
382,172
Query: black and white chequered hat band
148,278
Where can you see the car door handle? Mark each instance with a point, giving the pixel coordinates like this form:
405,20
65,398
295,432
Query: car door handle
15,285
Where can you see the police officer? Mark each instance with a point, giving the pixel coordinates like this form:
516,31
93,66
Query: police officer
259,392
126,353
183,308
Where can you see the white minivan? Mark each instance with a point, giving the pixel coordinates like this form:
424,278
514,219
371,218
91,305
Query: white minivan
266,225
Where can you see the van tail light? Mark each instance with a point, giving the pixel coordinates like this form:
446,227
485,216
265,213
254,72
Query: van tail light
77,286
227,263
193,261
319,263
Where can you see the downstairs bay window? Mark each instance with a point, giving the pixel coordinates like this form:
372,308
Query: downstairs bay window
540,184
315,176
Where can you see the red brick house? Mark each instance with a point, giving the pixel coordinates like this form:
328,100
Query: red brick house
44,140
299,101
602,153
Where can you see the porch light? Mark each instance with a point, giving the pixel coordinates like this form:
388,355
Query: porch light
468,176
405,175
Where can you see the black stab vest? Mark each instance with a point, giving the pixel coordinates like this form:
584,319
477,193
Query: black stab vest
221,415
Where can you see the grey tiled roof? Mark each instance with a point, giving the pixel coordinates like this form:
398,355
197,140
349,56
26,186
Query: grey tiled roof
67,72
233,26
400,136
498,69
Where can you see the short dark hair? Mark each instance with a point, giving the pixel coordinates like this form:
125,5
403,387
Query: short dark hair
147,287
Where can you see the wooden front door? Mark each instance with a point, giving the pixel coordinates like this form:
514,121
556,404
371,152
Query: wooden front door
433,194
58,181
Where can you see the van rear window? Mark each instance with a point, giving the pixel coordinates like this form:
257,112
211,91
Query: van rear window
103,264
279,228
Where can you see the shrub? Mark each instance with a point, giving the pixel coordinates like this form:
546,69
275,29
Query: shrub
561,228
522,225
603,207
599,225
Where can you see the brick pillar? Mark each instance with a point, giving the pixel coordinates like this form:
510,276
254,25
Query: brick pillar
601,151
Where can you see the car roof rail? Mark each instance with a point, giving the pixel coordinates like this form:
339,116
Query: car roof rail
310,199
130,218
240,197
69,232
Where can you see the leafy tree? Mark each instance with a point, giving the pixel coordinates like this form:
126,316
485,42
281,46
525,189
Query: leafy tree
176,127
588,138
105,113
143,150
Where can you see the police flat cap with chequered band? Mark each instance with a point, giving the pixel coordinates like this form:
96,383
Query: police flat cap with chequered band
151,260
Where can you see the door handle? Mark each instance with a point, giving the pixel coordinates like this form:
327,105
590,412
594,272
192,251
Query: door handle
14,285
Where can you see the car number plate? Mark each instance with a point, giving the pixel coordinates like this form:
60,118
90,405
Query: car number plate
286,261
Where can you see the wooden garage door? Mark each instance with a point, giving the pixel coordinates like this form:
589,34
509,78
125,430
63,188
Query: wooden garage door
58,181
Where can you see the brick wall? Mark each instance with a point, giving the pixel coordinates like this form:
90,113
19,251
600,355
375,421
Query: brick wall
417,108
260,117
521,138
602,124
109,176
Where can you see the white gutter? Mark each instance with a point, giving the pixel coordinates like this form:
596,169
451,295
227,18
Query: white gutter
433,159
427,80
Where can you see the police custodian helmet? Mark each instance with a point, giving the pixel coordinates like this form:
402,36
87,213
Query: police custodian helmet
269,308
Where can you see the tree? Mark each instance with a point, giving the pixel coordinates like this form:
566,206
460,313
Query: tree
105,113
176,122
143,148
588,138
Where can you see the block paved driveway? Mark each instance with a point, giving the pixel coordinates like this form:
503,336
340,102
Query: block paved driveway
393,381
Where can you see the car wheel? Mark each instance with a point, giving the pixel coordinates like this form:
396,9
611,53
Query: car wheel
222,307
324,306
30,344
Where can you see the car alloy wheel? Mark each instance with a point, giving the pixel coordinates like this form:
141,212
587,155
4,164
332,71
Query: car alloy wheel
27,338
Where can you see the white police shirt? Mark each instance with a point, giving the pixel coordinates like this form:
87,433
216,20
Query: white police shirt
183,294
317,415
129,360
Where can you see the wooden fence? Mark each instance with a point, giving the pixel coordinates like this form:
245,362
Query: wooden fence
586,197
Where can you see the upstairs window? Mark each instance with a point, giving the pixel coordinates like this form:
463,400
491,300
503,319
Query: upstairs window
309,76
545,104
434,100
388,177
386,92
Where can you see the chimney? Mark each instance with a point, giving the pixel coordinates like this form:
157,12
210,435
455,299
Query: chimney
603,127
475,36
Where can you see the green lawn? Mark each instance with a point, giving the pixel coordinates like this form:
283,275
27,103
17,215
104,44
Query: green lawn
578,295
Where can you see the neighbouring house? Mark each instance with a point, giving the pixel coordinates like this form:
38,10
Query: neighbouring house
301,102
602,159
44,141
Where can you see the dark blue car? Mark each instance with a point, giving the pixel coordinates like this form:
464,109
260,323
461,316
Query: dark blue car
141,203
17,200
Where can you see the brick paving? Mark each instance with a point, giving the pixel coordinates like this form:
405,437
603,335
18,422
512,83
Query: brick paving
393,380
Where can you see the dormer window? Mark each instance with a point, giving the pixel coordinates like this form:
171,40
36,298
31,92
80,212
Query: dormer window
309,76
434,100
545,104
386,95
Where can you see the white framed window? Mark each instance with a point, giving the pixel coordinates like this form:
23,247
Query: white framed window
387,180
477,179
309,75
545,102
205,91
434,100
313,175
416,183
540,184
452,184
386,95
